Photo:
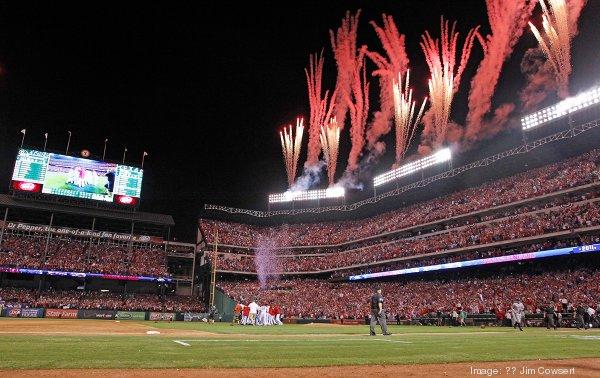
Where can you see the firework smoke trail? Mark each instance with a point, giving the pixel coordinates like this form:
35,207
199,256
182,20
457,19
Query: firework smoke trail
440,55
508,20
320,108
330,140
358,107
388,68
404,109
560,26
343,44
291,143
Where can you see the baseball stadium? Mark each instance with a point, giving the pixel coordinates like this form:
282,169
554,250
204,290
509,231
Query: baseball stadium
437,212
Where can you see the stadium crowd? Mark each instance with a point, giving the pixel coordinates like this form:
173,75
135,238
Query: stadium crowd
20,297
565,218
423,230
78,256
311,298
570,173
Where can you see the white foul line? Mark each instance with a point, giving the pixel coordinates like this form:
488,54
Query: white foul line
185,342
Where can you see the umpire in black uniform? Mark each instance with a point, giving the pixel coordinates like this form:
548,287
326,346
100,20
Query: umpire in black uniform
378,313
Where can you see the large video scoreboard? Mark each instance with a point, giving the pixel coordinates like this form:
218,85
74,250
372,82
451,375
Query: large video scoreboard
61,175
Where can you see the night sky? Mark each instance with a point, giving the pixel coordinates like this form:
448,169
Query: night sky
203,88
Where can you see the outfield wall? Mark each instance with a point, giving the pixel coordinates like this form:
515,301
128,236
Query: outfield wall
63,313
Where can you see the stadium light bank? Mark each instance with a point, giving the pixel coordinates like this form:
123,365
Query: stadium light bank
440,156
561,109
307,195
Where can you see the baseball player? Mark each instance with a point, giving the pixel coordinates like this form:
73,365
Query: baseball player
517,312
245,315
550,315
580,313
237,312
278,315
252,314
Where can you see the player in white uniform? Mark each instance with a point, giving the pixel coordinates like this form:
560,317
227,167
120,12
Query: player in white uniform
253,311
260,316
518,311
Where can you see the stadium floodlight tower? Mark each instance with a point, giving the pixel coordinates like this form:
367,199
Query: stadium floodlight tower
440,156
307,195
561,109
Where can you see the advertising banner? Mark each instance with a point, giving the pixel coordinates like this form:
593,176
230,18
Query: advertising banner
17,226
162,316
96,314
61,313
130,315
194,316
13,312
32,312
353,321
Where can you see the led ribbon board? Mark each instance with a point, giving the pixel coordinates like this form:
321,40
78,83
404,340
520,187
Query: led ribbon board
439,157
563,108
487,261
307,195
61,273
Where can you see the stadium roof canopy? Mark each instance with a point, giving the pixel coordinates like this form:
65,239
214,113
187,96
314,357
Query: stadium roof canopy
8,201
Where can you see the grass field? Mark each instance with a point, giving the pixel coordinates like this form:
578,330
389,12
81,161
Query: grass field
76,344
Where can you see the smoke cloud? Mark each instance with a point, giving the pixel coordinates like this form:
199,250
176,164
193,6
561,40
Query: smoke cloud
311,177
508,20
540,78
560,27
266,260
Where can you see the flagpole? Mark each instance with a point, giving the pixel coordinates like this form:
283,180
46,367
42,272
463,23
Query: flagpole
104,153
24,131
68,143
45,141
124,152
143,157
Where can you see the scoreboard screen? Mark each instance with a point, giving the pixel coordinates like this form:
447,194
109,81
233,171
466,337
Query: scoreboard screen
61,175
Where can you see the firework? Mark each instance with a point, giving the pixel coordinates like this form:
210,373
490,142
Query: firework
440,55
291,142
358,107
394,63
320,108
405,117
508,20
343,44
555,42
330,140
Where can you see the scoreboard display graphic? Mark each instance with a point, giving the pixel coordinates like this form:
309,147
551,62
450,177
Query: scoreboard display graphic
61,175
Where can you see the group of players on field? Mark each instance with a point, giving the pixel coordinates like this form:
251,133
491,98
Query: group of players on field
585,316
253,314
